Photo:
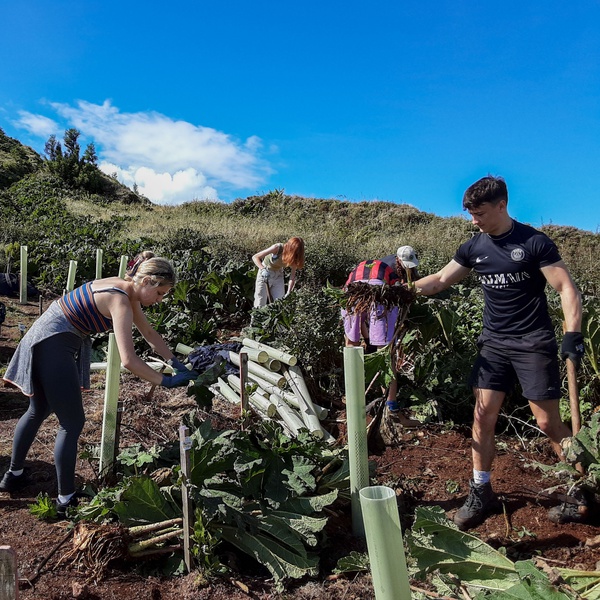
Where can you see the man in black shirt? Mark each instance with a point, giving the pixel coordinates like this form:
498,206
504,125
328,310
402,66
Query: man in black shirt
514,262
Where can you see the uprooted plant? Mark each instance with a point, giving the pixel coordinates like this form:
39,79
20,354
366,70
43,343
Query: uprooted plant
258,491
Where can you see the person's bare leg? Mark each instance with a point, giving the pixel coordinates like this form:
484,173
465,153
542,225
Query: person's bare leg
481,501
485,415
547,416
350,343
577,508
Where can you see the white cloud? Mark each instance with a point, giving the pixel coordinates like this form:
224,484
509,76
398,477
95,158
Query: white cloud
170,161
164,188
37,124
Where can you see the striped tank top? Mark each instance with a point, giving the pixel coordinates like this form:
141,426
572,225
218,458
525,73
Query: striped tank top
81,311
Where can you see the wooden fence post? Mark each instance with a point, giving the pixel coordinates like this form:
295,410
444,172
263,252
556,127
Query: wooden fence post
243,380
23,276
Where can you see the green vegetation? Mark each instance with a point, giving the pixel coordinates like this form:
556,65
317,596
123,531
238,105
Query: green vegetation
48,206
258,482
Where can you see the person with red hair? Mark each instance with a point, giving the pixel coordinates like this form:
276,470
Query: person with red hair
270,282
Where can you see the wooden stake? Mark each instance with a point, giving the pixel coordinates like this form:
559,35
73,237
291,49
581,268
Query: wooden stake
23,271
9,582
185,445
243,379
573,392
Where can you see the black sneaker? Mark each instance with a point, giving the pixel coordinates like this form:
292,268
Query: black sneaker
13,483
481,502
575,509
62,507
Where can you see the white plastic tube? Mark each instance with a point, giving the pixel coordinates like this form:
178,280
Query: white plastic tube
273,364
71,275
183,349
110,443
265,405
384,543
227,393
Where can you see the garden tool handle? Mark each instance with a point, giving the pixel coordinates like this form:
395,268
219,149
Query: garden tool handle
573,392
573,396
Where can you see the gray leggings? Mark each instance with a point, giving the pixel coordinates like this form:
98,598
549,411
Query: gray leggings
56,389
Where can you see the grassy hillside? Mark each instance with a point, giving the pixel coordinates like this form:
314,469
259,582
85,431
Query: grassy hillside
211,244
338,233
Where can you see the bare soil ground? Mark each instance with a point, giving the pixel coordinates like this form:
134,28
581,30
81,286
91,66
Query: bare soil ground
428,466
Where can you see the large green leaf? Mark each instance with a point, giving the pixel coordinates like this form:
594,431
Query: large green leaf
307,505
280,560
302,525
585,446
142,502
211,453
533,585
585,583
437,544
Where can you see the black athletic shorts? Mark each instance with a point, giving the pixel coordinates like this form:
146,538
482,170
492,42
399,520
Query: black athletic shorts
531,359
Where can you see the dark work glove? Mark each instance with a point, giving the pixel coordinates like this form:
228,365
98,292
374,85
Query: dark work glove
177,365
572,347
171,381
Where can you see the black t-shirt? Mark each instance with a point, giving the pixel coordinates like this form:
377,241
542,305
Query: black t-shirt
508,267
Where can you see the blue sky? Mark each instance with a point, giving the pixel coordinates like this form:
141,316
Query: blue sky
407,102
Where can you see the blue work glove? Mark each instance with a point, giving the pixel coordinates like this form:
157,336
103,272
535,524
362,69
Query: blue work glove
177,365
264,274
572,347
171,381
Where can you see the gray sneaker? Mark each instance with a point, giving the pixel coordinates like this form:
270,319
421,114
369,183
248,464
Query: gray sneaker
481,502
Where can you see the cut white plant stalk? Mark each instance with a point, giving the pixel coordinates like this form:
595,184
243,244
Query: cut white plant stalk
284,357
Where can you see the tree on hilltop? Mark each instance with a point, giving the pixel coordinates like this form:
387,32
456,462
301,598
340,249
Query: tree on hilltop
66,161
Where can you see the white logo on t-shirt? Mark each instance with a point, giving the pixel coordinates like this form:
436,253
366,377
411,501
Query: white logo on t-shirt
517,254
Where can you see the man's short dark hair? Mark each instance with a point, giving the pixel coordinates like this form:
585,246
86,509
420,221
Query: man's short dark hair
488,189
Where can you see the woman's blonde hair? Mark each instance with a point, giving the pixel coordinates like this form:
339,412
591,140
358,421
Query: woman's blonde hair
293,253
145,264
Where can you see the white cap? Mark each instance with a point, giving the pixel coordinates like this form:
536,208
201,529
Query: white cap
407,256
